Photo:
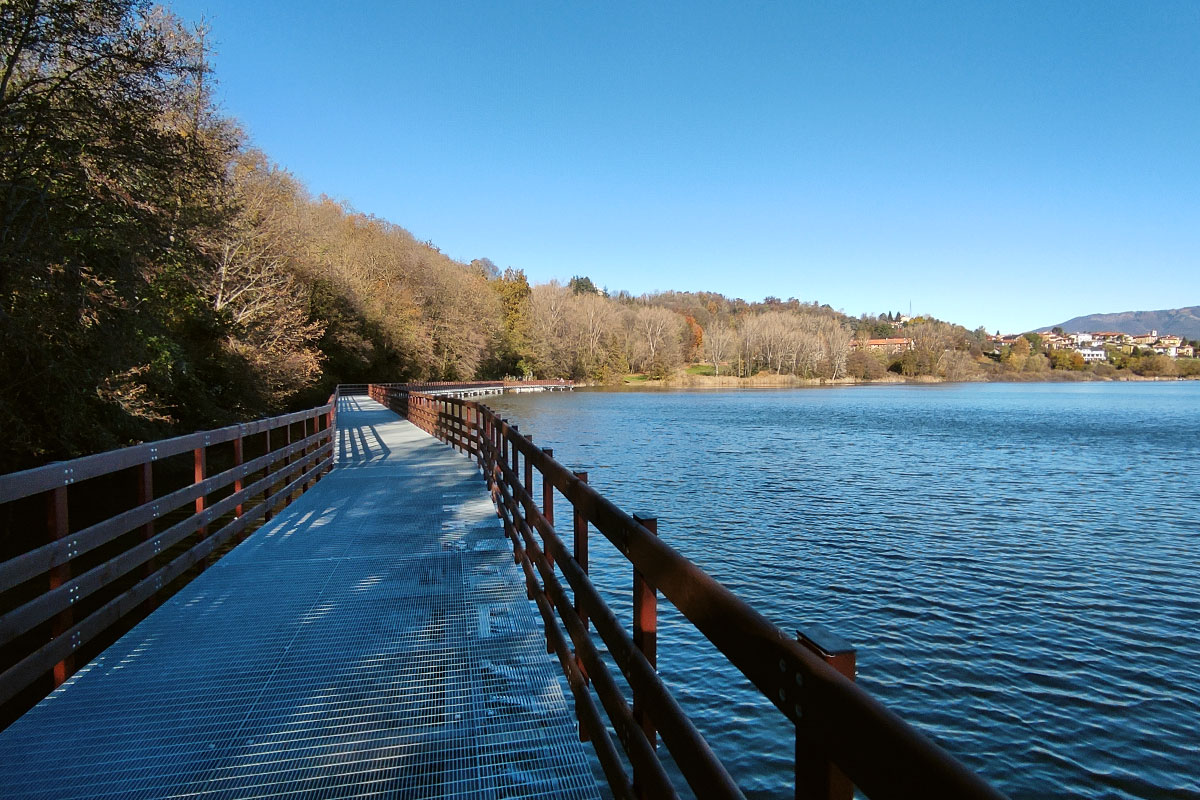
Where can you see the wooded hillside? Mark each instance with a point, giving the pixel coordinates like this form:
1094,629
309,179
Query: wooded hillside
159,275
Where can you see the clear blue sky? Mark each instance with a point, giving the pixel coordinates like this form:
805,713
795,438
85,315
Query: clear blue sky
1007,164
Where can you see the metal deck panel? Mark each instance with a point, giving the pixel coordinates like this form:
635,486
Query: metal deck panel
373,639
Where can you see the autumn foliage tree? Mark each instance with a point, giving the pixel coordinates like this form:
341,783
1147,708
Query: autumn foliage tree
111,169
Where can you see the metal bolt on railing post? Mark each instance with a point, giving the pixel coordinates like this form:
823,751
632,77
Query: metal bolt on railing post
645,628
816,777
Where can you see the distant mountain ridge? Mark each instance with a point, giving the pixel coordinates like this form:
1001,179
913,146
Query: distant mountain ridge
1183,322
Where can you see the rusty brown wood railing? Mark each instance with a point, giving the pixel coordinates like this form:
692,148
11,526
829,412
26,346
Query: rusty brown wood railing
89,542
843,734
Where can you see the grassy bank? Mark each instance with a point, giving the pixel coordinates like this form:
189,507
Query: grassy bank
703,376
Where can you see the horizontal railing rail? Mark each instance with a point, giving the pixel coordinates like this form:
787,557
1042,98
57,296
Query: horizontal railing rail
463,386
77,559
844,737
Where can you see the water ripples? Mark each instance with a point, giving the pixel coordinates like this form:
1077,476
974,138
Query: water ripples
1017,564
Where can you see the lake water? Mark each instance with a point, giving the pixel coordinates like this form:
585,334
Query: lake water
1017,564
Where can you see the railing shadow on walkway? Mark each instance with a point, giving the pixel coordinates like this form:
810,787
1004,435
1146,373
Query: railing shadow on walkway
366,637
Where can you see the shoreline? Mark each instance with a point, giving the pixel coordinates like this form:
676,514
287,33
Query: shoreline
773,381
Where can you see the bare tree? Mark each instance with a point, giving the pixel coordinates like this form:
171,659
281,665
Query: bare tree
719,340
548,328
658,333
836,338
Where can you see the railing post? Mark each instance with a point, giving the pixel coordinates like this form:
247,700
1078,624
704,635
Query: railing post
304,452
517,510
529,472
547,502
513,451
464,427
313,446
816,777
268,515
499,454
462,417
145,494
504,448
473,431
287,461
645,630
533,502
200,461
547,491
317,444
237,462
580,547
57,527
330,422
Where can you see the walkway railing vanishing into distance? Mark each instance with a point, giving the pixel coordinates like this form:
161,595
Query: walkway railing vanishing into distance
844,736
114,534
93,541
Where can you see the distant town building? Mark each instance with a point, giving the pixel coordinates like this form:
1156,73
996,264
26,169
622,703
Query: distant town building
1109,337
1093,346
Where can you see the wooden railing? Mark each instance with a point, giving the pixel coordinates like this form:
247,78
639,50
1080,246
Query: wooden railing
91,542
843,735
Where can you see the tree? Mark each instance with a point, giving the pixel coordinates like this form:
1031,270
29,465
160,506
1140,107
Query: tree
1018,354
837,340
112,166
657,343
253,283
719,340
694,340
592,323
513,355
549,329
486,267
582,285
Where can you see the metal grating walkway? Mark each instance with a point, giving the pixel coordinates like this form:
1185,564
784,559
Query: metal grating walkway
372,640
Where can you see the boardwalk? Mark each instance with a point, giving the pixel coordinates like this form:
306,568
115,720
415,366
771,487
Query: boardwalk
373,639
